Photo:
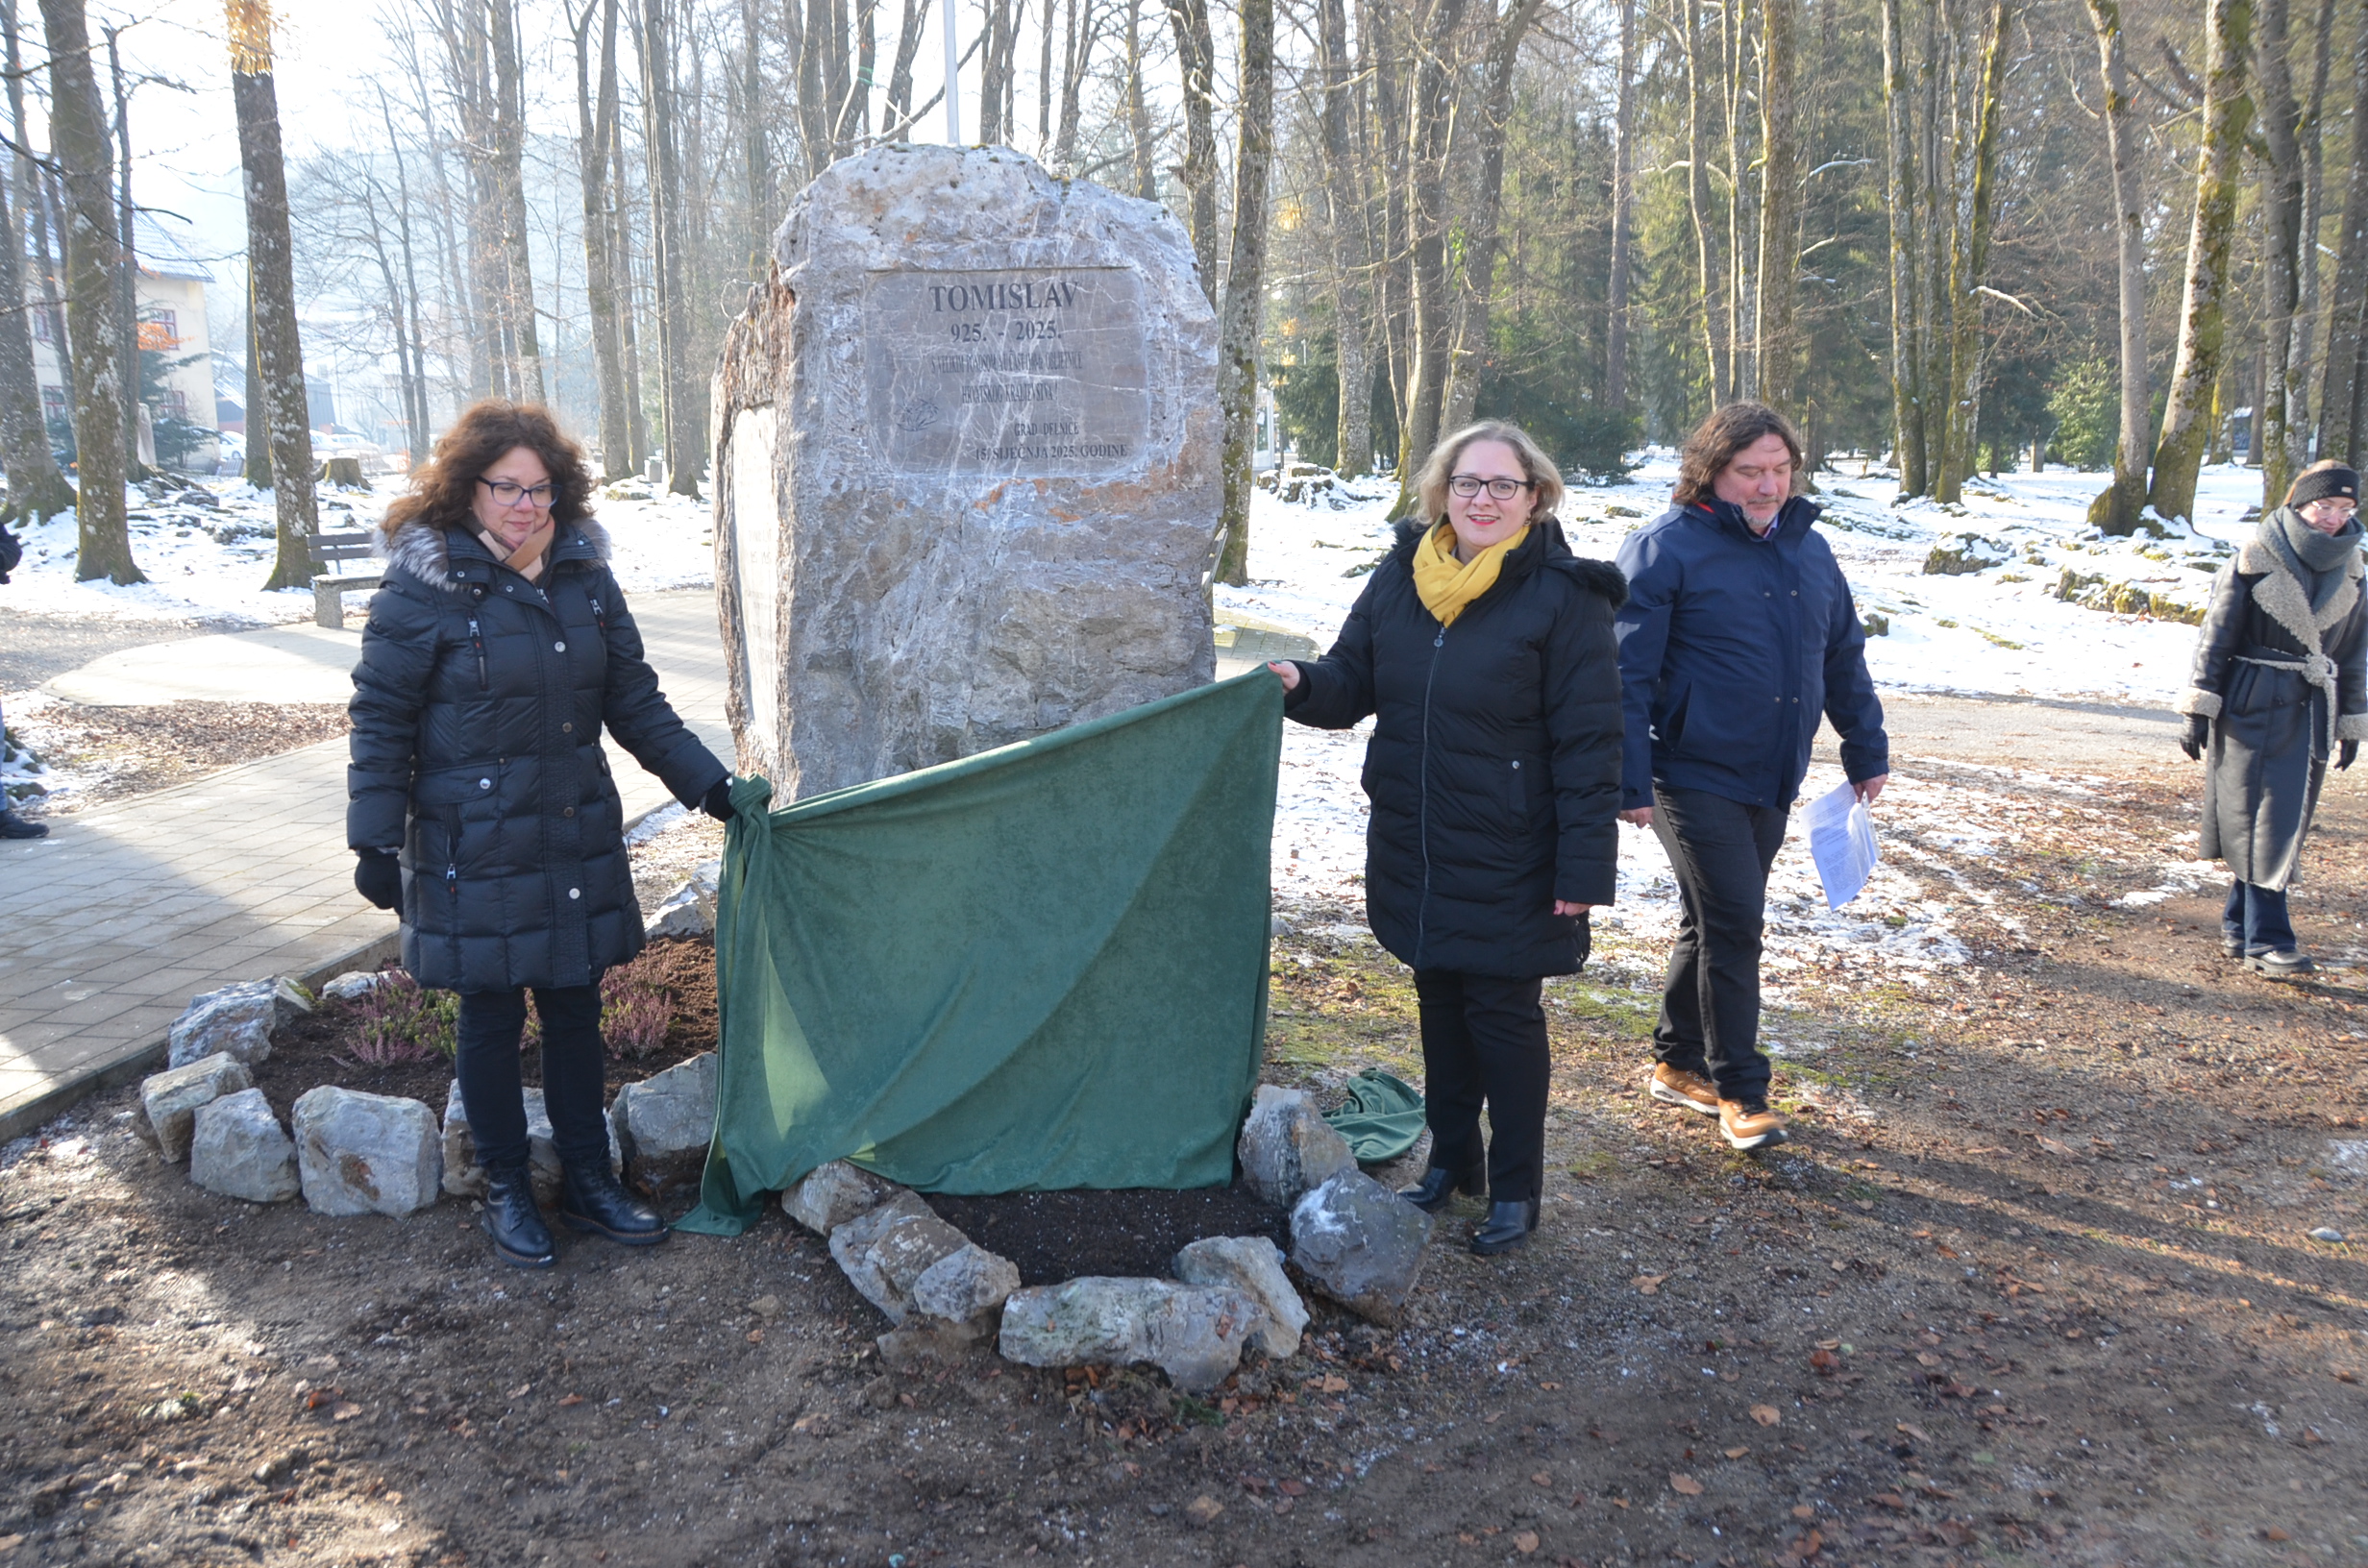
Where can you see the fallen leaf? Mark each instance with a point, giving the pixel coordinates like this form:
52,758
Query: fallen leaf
1686,1484
1542,1479
2051,1147
1333,1385
1202,1510
345,1411
572,1399
1551,1387
1925,1357
1768,1416
2274,1533
1915,1431
1619,1502
756,1336
1824,1362
1737,1452
522,1391
1648,1284
1945,1250
1893,1501
2344,1374
1803,1511
1293,1488
1525,1541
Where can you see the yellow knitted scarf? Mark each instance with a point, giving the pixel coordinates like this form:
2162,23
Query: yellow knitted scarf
1445,584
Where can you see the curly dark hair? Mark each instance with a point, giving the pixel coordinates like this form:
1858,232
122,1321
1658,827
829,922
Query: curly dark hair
444,489
1715,441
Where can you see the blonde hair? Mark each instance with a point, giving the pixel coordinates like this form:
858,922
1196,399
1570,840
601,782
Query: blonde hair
1545,479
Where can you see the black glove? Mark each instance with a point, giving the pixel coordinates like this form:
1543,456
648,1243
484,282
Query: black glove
718,803
378,876
2347,752
12,551
2199,731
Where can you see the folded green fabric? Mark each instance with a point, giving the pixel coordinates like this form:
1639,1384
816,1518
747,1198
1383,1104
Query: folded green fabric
1044,966
1382,1118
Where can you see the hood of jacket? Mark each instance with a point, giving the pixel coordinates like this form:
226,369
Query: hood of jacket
452,558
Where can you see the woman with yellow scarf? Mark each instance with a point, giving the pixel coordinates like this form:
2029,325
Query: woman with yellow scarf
1483,649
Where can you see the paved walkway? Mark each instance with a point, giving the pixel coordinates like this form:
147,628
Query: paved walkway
111,924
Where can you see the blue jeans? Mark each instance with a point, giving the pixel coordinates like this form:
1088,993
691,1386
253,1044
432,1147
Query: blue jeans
2256,916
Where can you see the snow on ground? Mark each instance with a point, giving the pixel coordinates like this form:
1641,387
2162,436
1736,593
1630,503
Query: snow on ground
208,553
2002,630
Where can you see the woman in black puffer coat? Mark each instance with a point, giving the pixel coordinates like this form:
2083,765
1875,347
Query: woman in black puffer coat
1485,650
480,800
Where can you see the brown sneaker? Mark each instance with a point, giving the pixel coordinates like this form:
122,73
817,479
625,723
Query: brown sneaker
1675,1086
1749,1124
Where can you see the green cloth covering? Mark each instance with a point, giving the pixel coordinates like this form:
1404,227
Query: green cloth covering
1382,1118
1044,966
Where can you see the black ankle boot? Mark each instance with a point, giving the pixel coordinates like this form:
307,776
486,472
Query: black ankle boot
514,1222
1508,1227
1437,1185
592,1199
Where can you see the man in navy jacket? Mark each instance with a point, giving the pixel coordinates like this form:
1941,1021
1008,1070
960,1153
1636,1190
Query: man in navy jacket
1739,632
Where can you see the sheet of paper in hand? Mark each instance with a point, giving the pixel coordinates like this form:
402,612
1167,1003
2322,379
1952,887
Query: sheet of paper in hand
1841,840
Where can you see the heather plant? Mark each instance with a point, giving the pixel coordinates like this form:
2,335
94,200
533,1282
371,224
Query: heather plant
634,1014
403,1021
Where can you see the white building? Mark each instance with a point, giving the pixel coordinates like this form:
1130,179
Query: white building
170,301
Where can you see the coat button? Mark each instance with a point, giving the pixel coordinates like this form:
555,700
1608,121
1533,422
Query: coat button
558,647
484,783
567,728
574,892
567,811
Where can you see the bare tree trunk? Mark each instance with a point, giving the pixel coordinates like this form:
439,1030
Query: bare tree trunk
1743,326
127,248
1969,262
258,408
1623,217
2301,353
1196,53
2116,510
33,214
596,122
1432,294
1384,29
1239,317
1899,198
415,402
813,89
510,167
994,128
1480,222
1138,111
910,25
1936,231
682,420
79,141
1351,324
1076,62
2339,404
2188,419
755,158
1780,202
279,352
1710,271
628,332
2279,441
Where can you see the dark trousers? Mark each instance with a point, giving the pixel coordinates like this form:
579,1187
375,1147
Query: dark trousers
1721,850
2256,916
1484,1041
575,1070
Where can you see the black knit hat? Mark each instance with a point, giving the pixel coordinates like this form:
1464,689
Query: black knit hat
2321,483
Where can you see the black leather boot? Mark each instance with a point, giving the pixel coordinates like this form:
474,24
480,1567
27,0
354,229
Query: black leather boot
1508,1227
514,1222
1439,1186
592,1199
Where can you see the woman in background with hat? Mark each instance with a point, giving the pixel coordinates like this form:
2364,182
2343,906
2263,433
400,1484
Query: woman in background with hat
2278,690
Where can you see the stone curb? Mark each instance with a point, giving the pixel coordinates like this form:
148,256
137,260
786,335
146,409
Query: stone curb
30,1115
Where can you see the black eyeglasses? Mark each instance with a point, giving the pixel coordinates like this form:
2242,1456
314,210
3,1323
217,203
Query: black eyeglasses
507,493
1467,486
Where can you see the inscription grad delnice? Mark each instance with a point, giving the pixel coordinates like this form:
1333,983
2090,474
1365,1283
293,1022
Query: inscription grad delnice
1026,372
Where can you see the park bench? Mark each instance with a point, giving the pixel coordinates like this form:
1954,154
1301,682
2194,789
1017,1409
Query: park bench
329,587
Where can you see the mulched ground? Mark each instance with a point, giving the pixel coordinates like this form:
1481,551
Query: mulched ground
332,1044
110,753
1059,1236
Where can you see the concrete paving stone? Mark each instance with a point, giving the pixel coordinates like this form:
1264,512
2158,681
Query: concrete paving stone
92,1010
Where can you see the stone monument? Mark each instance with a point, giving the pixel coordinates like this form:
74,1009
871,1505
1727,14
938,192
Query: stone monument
966,480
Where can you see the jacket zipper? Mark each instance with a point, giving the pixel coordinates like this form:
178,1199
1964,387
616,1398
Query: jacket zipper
476,641
1422,816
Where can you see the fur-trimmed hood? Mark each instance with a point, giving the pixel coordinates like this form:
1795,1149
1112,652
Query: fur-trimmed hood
425,551
1545,546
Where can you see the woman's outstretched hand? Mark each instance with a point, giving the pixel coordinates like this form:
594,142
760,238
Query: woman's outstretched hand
1564,906
1289,671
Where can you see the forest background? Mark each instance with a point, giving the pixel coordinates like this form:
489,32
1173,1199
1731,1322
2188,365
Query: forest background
1946,234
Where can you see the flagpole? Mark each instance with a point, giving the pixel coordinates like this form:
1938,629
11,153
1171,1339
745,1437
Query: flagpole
953,79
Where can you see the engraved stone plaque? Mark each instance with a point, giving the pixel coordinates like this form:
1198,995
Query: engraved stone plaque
1031,373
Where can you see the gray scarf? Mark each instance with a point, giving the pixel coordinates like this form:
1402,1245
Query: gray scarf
2316,559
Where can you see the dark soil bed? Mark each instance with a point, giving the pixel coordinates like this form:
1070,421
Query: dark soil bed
1053,1237
113,754
333,1044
